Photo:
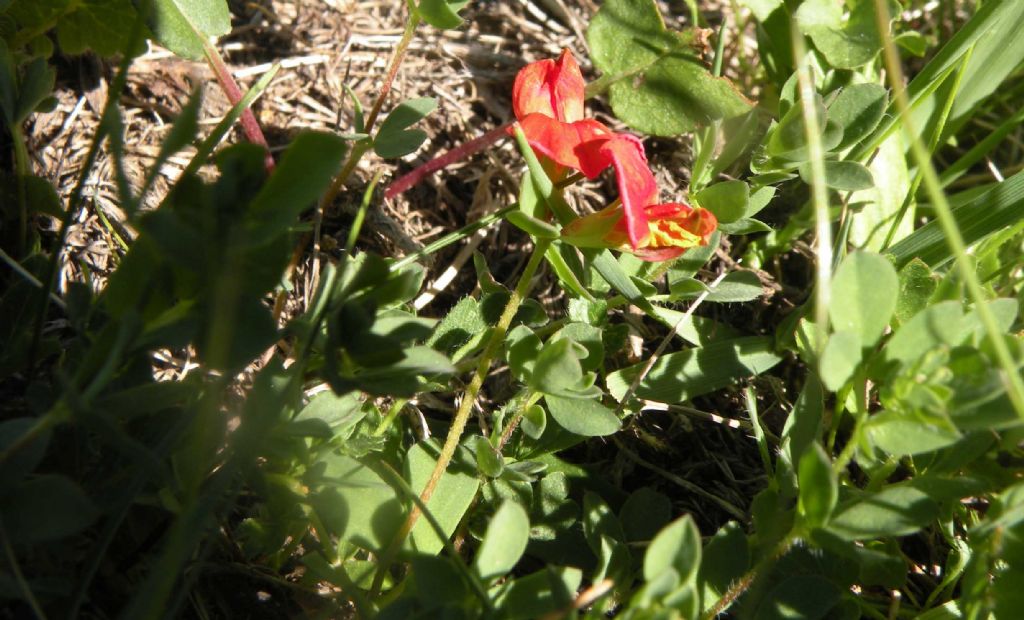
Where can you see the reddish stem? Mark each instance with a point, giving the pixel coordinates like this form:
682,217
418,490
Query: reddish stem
250,126
409,180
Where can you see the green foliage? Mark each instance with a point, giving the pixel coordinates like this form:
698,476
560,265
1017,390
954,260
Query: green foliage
865,292
591,438
681,376
394,138
183,26
658,84
441,13
846,41
729,201
103,26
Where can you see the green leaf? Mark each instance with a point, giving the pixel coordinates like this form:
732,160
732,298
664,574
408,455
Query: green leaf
728,201
864,292
845,176
36,85
994,58
332,414
858,109
687,265
819,489
606,539
901,434
992,211
610,269
644,513
557,369
840,359
660,86
534,421
462,324
439,577
533,226
897,510
353,502
738,286
538,594
591,338
917,283
23,461
100,25
847,42
678,377
804,424
442,14
40,196
504,543
304,172
725,558
913,42
8,84
489,461
183,26
46,508
788,140
943,323
803,597
582,416
400,378
394,139
451,499
745,226
677,547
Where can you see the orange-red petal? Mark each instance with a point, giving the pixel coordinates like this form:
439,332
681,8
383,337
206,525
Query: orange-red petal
552,88
566,143
637,187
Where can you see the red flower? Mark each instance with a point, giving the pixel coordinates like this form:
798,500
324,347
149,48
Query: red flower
550,88
548,102
672,228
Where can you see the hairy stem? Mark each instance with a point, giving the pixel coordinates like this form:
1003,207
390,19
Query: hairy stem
743,584
497,338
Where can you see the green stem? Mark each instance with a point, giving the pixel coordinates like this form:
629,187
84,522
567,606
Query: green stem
743,584
363,146
28,277
933,143
19,577
21,169
819,191
496,340
453,237
506,433
944,213
389,419
860,416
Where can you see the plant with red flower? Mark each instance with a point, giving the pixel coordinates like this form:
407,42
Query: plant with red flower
548,102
